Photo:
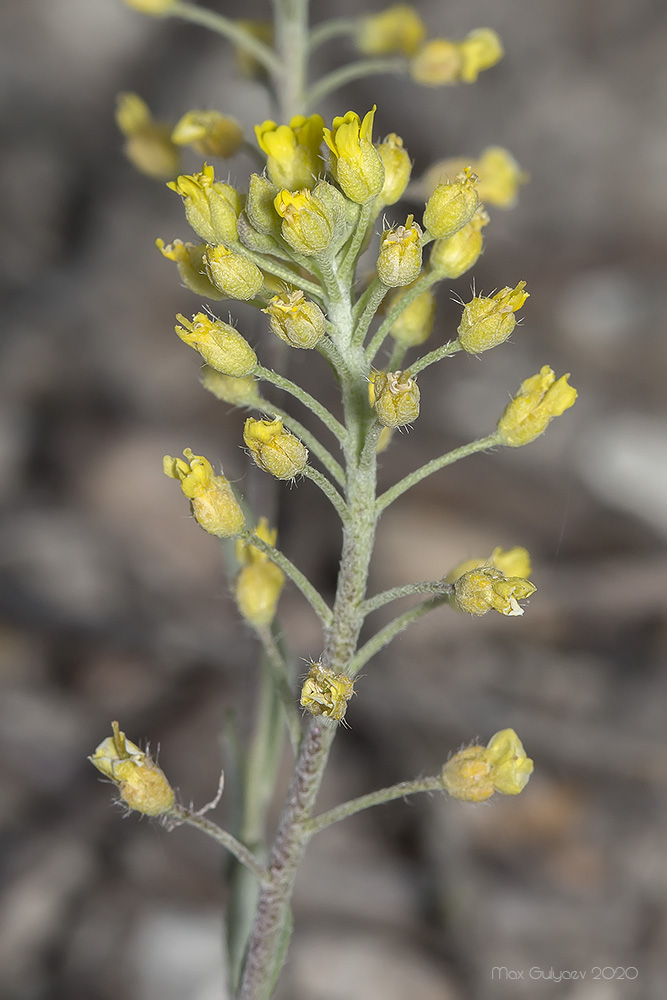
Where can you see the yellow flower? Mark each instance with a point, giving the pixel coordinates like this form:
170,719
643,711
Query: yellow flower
453,256
399,28
148,144
400,259
489,321
306,225
237,391
260,582
210,133
478,591
212,499
511,562
295,320
437,63
452,205
395,396
480,49
397,169
211,207
220,345
499,175
156,8
274,449
293,151
476,772
232,273
141,783
540,398
189,259
414,325
355,162
326,693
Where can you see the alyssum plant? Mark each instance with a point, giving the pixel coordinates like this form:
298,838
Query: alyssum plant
291,246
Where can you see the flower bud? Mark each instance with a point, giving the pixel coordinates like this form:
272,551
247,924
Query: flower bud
156,8
306,226
236,391
297,321
485,589
262,243
437,63
453,256
400,259
214,506
274,449
452,205
489,321
397,169
220,345
148,144
498,175
211,207
476,772
189,259
210,133
259,206
355,162
326,693
480,49
232,273
141,783
511,562
260,582
399,28
413,326
293,151
540,398
396,398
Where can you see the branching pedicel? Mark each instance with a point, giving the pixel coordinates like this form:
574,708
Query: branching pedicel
291,246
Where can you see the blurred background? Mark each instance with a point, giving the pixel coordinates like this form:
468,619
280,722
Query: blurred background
114,605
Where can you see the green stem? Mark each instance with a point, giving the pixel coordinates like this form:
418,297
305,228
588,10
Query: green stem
329,490
399,791
291,40
179,814
352,71
314,598
424,283
388,497
332,29
283,685
385,635
267,375
274,267
232,31
370,302
437,587
444,351
350,260
312,443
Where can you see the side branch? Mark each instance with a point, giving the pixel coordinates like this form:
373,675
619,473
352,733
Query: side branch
388,497
327,418
313,596
329,490
398,791
390,631
436,587
353,71
179,815
444,351
230,30
424,283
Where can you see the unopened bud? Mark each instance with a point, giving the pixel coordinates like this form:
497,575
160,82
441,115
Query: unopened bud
488,321
214,506
260,582
452,205
397,169
413,326
528,414
453,256
400,259
274,449
476,772
143,786
297,321
399,28
220,345
189,259
236,391
233,274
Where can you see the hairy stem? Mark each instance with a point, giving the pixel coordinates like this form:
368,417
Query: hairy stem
377,798
179,814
